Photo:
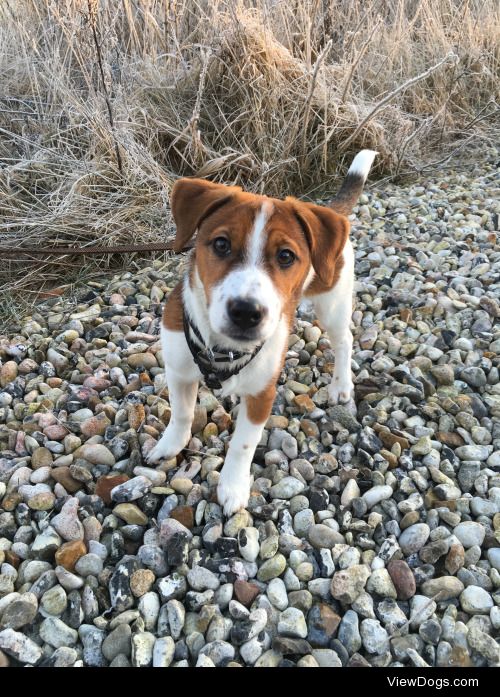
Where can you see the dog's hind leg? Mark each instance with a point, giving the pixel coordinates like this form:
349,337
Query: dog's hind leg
334,311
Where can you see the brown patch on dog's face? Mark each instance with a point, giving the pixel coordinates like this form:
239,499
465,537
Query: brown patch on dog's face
173,312
232,223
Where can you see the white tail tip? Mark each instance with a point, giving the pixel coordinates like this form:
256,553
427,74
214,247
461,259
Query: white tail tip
362,163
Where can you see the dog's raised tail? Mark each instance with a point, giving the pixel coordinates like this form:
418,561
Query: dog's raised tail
353,184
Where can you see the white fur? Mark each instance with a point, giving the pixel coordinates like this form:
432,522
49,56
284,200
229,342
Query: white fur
182,377
334,310
310,275
362,163
234,484
257,239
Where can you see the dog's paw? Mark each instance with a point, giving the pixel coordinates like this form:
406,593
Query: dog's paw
169,445
233,493
340,391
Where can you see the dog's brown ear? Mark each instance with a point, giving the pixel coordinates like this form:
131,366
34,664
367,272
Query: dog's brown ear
192,201
326,233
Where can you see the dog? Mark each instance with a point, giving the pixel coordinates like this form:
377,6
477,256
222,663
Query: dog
228,319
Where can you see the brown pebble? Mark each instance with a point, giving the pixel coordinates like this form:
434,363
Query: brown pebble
12,558
277,421
403,578
185,515
42,502
107,482
452,440
388,439
63,476
408,519
97,384
4,660
310,428
69,553
11,500
55,432
459,658
221,418
142,360
92,528
454,559
357,661
42,457
209,431
95,426
245,592
327,621
141,582
136,415
304,403
390,457
8,373
130,513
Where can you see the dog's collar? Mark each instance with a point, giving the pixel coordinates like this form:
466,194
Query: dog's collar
207,358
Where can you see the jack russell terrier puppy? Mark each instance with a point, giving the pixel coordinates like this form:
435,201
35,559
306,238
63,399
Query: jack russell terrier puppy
228,319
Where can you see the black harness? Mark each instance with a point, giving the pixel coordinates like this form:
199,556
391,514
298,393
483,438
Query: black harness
207,359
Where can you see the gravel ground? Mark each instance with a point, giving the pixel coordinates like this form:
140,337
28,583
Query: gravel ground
372,536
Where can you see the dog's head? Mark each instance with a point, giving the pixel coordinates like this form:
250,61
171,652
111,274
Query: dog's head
253,253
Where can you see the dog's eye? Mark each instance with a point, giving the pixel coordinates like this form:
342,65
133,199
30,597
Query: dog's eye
222,246
286,257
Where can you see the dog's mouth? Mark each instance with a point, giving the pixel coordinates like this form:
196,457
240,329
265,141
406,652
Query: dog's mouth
244,339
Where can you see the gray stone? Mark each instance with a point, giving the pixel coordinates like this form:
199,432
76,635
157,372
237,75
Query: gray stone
163,652
286,488
374,636
92,639
322,536
117,642
414,538
348,632
476,601
218,652
20,612
20,647
56,633
202,579
292,623
469,533
142,649
131,490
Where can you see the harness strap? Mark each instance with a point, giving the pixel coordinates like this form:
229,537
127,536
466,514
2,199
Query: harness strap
206,358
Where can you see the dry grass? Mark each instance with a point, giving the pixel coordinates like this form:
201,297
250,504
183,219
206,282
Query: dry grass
104,102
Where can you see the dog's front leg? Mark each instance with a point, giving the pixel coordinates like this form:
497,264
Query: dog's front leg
233,490
182,396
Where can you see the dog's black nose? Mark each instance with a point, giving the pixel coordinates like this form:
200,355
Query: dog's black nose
245,314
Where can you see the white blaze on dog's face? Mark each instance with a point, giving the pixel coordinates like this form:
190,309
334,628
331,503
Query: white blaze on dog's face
253,254
246,304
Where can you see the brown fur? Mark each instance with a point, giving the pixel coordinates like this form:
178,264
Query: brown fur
259,406
317,286
327,233
174,310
